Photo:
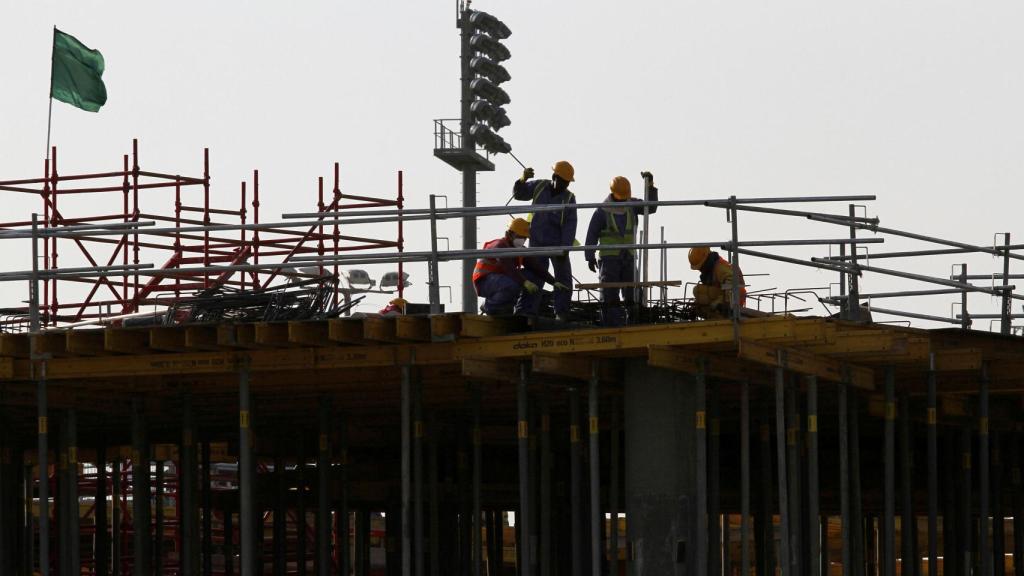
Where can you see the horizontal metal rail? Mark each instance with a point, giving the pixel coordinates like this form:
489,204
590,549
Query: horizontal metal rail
996,291
914,315
915,253
936,292
549,208
405,257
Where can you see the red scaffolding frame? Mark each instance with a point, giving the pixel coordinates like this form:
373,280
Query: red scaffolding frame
110,296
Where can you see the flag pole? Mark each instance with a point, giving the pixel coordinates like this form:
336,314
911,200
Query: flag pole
49,115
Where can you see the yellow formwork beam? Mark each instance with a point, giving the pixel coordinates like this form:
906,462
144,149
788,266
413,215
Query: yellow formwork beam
84,342
14,345
414,328
306,333
488,369
169,339
686,360
806,363
571,366
126,341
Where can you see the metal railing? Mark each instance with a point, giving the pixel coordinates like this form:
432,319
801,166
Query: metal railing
849,267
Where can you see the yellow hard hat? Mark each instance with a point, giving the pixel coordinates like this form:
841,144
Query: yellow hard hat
399,303
620,188
564,170
698,255
520,227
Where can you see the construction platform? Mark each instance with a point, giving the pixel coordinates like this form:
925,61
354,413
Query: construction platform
686,428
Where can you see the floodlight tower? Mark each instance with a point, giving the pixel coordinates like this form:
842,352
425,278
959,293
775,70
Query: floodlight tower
482,116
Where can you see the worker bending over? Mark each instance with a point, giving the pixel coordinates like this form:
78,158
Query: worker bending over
612,224
555,228
500,281
713,295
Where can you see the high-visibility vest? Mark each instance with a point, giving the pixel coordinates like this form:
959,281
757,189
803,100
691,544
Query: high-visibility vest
485,266
539,189
737,276
611,235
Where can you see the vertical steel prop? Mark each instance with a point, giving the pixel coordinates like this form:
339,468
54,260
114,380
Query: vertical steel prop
477,544
813,502
406,471
908,522
780,438
523,436
575,480
247,478
844,474
889,531
596,514
700,428
745,478
323,511
419,555
933,470
984,485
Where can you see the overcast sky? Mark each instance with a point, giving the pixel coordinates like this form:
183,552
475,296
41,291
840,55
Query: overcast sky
919,103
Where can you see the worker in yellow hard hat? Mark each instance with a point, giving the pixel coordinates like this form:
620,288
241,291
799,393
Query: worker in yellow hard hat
713,296
615,223
555,228
500,281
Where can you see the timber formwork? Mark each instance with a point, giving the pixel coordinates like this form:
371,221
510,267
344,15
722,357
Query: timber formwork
817,444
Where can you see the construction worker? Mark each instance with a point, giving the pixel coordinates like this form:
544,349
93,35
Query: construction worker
556,228
394,308
713,295
500,281
616,223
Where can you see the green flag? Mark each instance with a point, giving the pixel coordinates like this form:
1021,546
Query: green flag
76,73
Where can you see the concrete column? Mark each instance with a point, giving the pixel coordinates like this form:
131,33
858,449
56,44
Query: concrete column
660,473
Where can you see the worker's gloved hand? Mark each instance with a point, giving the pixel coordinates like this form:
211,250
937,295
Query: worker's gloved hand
527,174
560,286
530,287
592,264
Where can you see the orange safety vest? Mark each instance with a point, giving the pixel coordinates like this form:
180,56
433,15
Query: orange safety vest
485,266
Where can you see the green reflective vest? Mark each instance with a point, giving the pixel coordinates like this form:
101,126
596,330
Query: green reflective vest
612,235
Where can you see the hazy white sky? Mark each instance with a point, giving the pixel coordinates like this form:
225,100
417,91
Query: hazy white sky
917,102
